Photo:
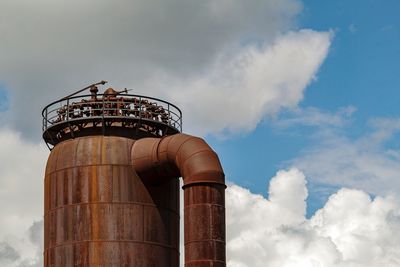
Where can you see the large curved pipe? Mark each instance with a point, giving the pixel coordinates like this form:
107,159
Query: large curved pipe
190,157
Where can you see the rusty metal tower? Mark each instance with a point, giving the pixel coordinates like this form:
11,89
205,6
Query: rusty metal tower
112,188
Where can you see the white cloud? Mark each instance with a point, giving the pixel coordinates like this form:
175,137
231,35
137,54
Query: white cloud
351,230
225,60
24,249
21,192
21,182
361,228
50,48
238,93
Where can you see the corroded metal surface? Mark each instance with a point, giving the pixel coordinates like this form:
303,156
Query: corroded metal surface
112,196
204,225
204,191
99,212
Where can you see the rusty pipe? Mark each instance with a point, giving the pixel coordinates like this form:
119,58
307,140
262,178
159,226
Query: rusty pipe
189,157
83,89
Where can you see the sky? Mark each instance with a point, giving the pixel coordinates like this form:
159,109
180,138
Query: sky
298,98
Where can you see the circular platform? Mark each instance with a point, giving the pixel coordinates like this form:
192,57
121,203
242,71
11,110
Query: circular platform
110,113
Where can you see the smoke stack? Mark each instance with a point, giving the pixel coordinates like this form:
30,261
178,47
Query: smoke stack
112,188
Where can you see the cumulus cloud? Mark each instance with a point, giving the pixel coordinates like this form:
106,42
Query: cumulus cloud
351,230
8,253
22,166
23,249
234,62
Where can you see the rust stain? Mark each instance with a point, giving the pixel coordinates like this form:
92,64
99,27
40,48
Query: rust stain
104,214
112,197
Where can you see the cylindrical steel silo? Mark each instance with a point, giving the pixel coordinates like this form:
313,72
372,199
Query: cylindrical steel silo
112,188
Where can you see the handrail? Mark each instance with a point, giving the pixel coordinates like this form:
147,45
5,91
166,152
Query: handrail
129,95
78,110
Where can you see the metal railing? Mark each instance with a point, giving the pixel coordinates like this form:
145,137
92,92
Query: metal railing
142,109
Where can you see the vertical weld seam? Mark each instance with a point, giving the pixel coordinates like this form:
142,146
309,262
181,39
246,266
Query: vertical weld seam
56,161
157,165
157,145
177,155
132,169
76,150
130,151
154,153
168,142
159,141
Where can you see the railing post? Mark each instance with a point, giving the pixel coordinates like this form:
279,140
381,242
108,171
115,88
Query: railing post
140,111
102,115
67,111
47,116
169,116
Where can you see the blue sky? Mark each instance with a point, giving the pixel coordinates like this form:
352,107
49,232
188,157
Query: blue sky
362,67
361,71
3,99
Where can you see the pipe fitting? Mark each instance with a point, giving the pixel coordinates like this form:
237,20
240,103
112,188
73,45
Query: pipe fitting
179,155
191,158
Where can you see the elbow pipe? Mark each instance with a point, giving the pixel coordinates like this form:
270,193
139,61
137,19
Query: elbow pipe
189,157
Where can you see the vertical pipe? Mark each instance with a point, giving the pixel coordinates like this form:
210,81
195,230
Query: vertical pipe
204,213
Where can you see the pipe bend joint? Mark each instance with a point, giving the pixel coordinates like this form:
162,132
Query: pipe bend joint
177,155
156,159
